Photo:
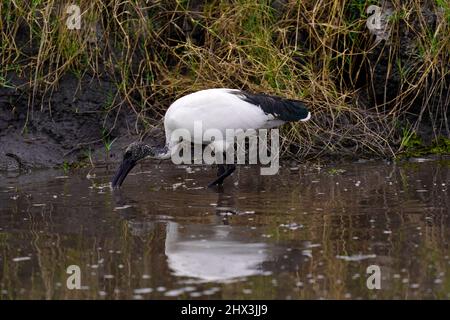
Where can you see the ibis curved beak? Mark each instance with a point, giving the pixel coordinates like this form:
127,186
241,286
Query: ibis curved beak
122,172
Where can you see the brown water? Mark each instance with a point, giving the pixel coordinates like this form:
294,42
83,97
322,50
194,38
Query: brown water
309,232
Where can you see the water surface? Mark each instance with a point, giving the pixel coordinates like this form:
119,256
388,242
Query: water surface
309,232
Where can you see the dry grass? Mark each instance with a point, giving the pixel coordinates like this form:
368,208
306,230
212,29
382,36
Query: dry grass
362,94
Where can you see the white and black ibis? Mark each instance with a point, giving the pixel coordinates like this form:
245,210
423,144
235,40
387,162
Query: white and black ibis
217,109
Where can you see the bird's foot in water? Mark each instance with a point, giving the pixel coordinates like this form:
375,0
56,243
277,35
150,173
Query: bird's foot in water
222,172
215,183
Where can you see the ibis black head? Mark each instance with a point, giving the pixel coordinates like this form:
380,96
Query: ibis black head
134,152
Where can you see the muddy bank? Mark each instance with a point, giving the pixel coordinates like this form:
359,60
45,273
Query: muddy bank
71,126
74,126
78,91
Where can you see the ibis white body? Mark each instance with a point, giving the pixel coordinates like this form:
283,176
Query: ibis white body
220,110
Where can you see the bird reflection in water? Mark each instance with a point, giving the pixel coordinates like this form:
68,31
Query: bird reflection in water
216,252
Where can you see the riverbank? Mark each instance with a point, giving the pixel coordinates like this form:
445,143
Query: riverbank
71,97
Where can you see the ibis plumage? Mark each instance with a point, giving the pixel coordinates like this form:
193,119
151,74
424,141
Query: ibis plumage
216,109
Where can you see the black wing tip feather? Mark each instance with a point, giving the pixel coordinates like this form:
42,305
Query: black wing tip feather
281,108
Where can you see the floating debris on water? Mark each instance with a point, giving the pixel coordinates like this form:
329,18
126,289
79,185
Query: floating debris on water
142,291
312,245
19,259
174,293
291,226
195,188
357,257
420,160
175,186
195,294
101,186
209,292
226,213
307,253
123,207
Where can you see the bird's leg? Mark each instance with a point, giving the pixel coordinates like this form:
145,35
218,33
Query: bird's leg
221,168
229,169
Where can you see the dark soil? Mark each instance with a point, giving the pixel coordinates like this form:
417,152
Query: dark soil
66,127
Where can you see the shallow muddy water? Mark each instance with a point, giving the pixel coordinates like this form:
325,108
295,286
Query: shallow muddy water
309,232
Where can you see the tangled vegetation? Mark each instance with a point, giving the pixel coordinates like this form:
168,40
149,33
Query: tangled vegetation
367,96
